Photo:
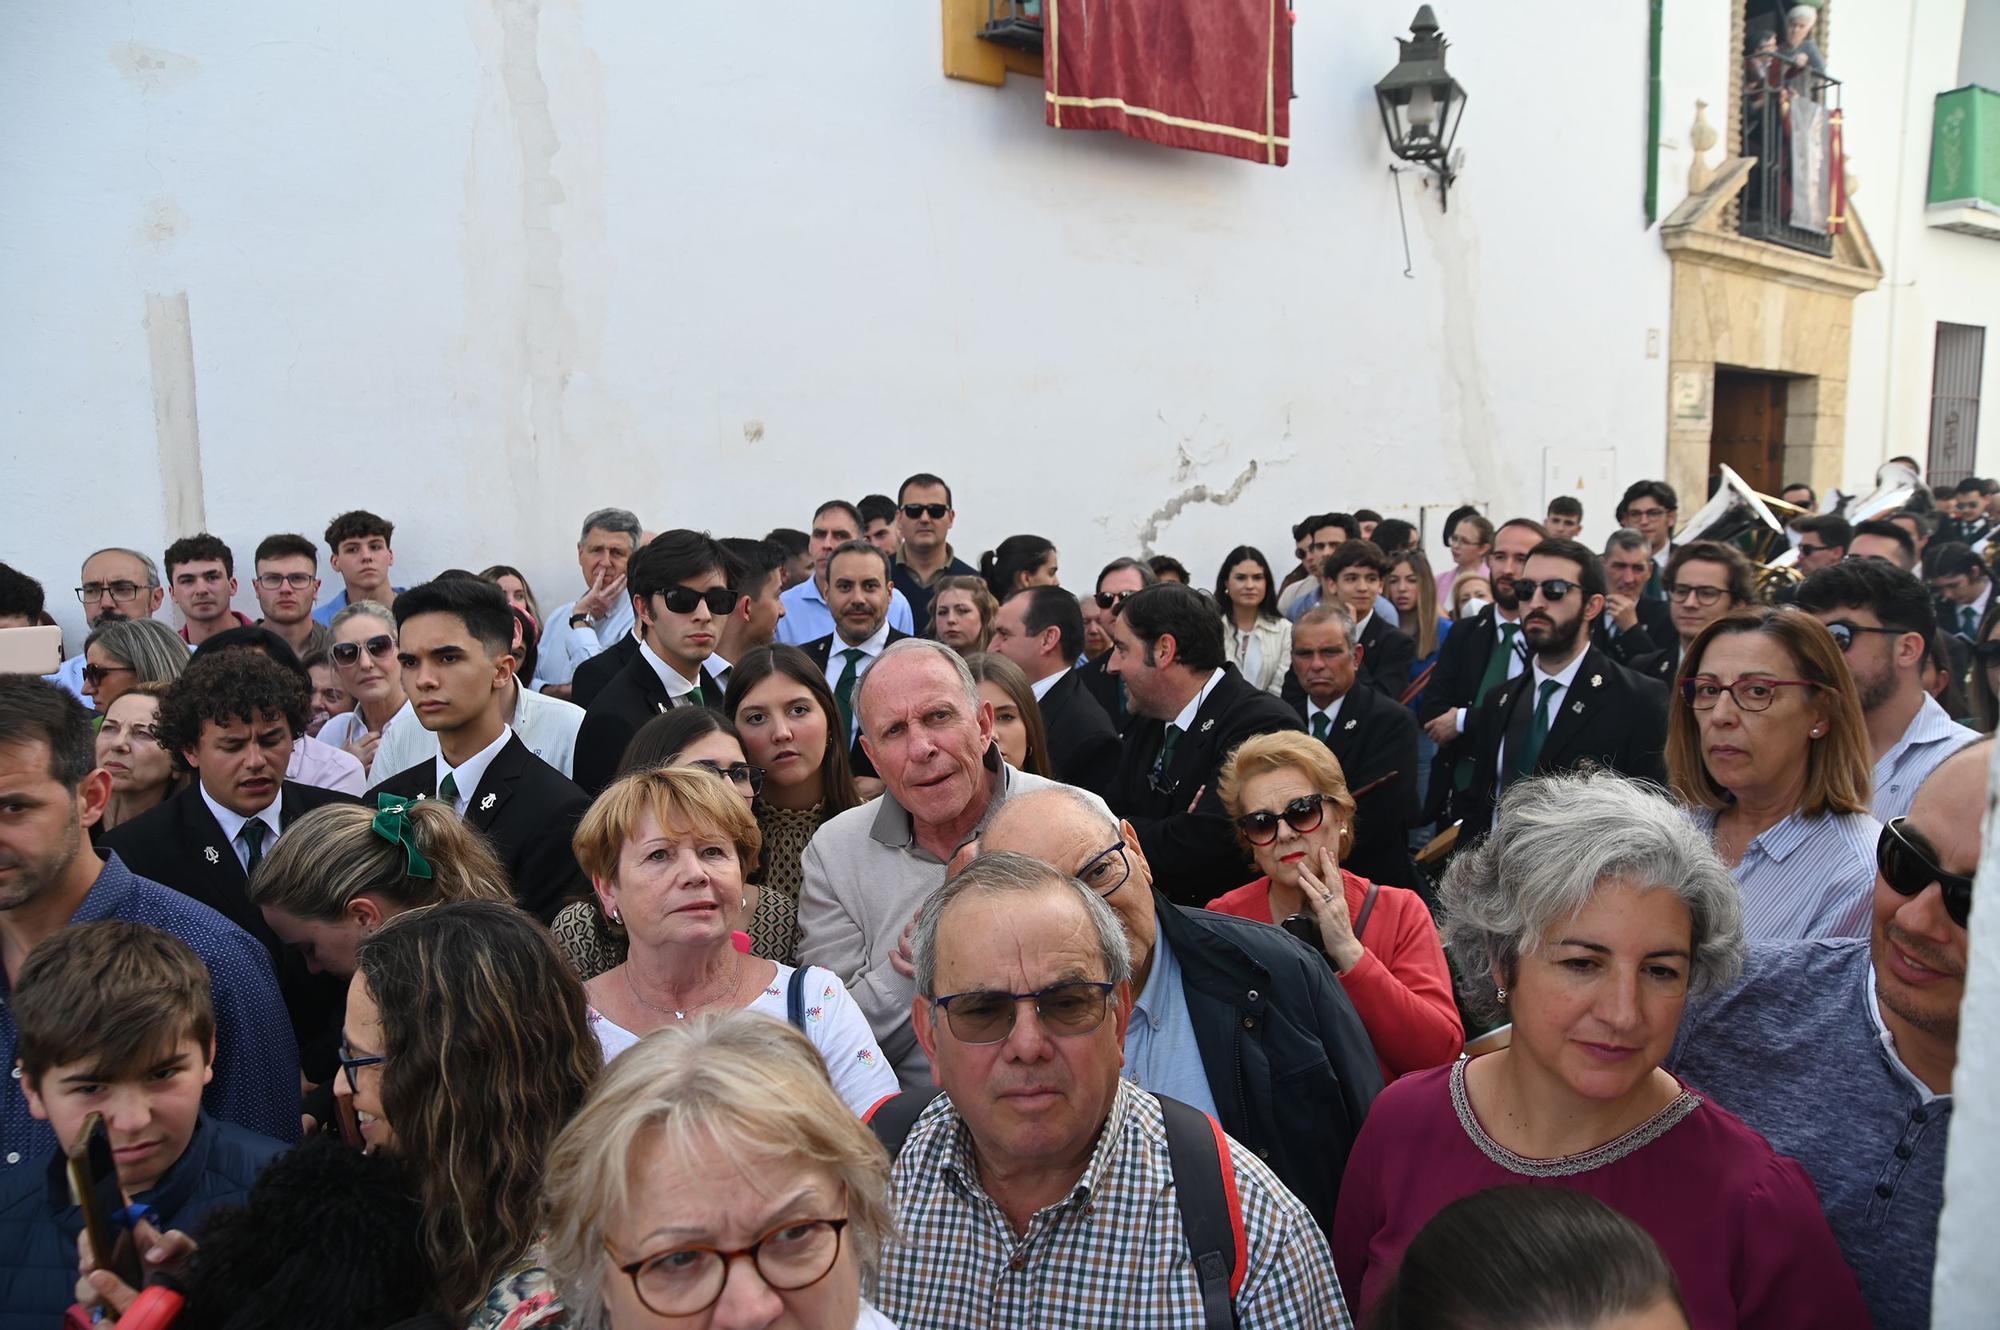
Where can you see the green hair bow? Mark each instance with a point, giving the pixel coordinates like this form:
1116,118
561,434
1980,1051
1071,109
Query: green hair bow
392,824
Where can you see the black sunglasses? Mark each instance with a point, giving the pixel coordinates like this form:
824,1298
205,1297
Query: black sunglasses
1843,633
1909,871
1106,599
95,675
1301,815
346,653
935,511
683,599
1553,589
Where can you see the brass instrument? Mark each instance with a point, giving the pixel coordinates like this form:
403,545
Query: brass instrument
1753,523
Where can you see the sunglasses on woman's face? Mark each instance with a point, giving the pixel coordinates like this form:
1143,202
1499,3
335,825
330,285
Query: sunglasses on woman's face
95,675
1301,815
381,647
1909,871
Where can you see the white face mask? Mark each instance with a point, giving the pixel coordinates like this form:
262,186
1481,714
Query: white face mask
1472,606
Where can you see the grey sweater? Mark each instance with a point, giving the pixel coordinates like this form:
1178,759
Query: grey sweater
1795,1051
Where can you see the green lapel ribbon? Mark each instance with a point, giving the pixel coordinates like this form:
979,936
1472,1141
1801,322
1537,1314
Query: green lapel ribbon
392,824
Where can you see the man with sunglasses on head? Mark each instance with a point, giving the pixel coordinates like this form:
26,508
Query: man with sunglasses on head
680,598
287,584
858,586
1575,704
1841,1050
454,641
1882,618
117,583
924,518
1705,581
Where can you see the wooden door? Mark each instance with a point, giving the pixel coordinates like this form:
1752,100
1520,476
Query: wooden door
1749,428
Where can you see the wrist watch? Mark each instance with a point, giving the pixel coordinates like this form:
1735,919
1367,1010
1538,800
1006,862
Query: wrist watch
588,621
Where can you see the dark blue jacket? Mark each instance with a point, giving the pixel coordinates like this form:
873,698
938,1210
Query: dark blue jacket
39,1224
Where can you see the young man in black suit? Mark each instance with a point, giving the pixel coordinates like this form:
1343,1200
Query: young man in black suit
1041,630
859,582
1705,580
230,719
680,596
454,640
1190,708
1575,704
1374,738
1352,575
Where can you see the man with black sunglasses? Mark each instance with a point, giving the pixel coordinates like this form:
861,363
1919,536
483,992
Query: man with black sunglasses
1841,1050
924,517
1575,704
680,598
455,643
1882,619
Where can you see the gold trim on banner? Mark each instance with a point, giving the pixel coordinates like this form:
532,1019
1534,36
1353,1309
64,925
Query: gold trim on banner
1179,122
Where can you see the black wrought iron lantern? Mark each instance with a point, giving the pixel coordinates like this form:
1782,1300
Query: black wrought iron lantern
1421,103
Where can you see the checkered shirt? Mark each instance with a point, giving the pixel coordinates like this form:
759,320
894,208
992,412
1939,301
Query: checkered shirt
1111,1253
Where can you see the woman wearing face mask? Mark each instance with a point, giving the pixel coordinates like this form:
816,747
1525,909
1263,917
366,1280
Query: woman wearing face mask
1017,716
142,772
364,656
787,719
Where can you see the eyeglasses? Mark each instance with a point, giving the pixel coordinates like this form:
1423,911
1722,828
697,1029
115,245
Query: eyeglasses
1301,815
1106,599
1645,514
1703,596
934,511
743,775
1074,1007
1909,870
95,675
346,653
687,1281
1464,542
120,592
137,732
1807,551
351,1064
1553,589
296,581
683,599
1843,632
1753,694
1107,870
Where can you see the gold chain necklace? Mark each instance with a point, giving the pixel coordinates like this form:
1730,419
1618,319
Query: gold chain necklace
735,977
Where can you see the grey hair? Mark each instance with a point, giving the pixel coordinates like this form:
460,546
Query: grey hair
1000,874
1625,538
152,569
373,609
1556,841
1081,801
1328,611
619,521
910,646
153,651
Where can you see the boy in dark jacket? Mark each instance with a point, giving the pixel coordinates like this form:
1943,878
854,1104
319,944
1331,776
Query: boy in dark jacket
114,1018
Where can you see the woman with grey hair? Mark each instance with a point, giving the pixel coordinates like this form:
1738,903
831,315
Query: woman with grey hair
1589,917
701,1143
126,652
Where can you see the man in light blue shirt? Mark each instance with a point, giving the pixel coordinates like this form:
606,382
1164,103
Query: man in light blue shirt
602,616
807,617
358,549
117,584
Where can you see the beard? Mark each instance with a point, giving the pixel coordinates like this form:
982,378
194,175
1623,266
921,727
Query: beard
36,876
1558,636
1875,690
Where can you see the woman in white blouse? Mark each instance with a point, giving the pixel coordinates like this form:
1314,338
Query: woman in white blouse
363,651
1259,638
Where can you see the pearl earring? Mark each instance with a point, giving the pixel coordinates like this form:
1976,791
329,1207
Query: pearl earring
1501,993
742,902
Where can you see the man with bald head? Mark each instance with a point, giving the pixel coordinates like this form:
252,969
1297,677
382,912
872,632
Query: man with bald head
117,584
1841,1050
866,871
1227,1015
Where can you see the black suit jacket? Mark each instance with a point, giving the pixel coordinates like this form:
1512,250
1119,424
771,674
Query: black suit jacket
180,844
529,810
1083,745
1375,741
1654,630
1662,665
1386,656
634,696
1611,716
601,669
1461,667
1104,686
1182,827
821,650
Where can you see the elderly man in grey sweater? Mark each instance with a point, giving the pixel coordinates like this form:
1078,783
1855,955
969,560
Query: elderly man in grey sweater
867,870
1841,1050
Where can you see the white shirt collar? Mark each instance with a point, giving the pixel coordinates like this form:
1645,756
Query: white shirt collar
1924,1092
1565,676
232,821
1042,686
870,648
1185,721
1361,625
470,772
676,686
1331,711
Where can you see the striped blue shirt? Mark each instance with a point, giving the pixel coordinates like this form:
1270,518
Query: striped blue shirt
1932,737
1806,876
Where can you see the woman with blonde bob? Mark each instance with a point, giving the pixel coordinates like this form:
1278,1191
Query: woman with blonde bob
669,853
1293,813
1766,744
726,1131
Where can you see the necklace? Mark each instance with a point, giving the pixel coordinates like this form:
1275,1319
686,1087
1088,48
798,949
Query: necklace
735,975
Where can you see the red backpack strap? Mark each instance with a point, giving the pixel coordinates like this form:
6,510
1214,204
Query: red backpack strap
1211,1210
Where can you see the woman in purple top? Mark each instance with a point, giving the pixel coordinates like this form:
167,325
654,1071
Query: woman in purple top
1588,917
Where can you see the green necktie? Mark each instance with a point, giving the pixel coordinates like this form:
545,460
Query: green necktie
1165,761
1538,733
693,697
253,840
1497,663
448,791
843,691
1970,619
1321,724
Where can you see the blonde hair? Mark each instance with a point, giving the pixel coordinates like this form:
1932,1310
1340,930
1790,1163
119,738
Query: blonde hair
982,600
334,854
680,799
740,1088
1287,750
372,609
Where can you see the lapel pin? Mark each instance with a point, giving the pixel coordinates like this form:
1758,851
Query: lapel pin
211,855
1597,681
422,797
1208,725
488,802
1350,724
1577,707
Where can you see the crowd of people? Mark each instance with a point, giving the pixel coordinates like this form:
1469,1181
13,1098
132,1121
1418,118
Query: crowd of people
822,930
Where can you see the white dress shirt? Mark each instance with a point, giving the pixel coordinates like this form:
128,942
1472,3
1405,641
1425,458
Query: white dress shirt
1185,721
677,687
233,822
470,772
836,664
1330,711
1563,678
547,725
1042,686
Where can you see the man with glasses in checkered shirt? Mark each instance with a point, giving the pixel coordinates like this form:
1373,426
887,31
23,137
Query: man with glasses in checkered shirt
1037,1192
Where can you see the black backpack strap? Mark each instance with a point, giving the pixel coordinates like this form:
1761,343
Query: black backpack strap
892,1116
1211,1211
795,1000
1367,908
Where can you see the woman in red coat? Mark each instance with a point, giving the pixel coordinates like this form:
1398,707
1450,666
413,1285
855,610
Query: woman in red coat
1294,813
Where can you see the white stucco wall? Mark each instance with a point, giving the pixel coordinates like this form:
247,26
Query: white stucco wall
482,268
